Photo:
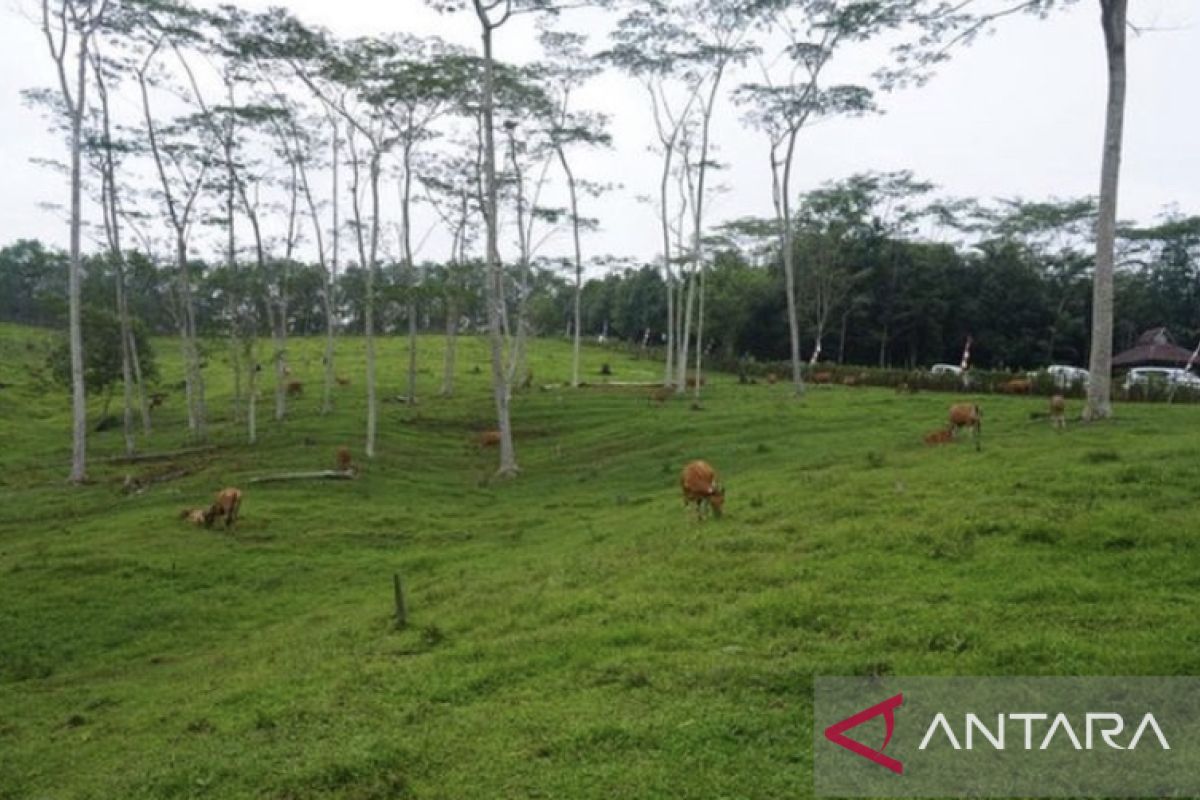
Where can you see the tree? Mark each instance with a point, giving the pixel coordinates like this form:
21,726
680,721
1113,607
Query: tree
1099,400
569,69
813,32
181,163
104,362
649,45
62,22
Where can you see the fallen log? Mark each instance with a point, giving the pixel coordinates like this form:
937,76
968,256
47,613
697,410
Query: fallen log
326,474
140,457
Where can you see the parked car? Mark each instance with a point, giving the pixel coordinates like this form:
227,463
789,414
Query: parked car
1167,376
1065,377
945,369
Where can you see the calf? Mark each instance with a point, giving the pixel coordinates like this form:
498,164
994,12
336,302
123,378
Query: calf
967,415
700,486
1058,411
940,436
227,505
295,388
489,439
1017,386
196,516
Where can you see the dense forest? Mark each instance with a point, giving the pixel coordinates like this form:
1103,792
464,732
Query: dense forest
874,289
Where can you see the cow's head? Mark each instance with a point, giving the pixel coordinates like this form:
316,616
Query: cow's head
716,498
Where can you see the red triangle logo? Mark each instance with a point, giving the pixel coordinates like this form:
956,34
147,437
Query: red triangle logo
836,733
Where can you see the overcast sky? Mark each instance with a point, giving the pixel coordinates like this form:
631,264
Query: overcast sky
1020,113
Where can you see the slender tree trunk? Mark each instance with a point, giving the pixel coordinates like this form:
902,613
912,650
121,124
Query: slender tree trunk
495,277
1099,399
78,393
232,302
700,340
143,400
787,239
664,193
575,347
331,279
369,311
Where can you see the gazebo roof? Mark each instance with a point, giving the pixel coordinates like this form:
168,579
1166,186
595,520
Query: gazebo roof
1154,348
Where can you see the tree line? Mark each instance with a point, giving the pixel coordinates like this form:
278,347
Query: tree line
260,176
886,275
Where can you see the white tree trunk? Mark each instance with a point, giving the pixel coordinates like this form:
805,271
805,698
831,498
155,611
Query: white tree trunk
495,277
1099,400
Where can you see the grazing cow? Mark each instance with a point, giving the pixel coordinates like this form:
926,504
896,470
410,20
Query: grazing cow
1058,411
662,394
823,378
227,505
489,439
1017,386
196,516
295,388
966,415
700,486
344,461
940,436
342,381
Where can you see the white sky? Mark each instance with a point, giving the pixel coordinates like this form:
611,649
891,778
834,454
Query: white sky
1018,114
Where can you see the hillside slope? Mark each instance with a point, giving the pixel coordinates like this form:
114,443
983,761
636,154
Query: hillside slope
575,632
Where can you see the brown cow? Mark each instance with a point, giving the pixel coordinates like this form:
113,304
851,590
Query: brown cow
1017,386
700,486
966,415
228,502
822,377
940,436
691,381
295,388
344,462
489,439
1058,411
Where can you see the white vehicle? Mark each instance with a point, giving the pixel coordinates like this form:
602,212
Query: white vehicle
945,369
1168,376
1065,377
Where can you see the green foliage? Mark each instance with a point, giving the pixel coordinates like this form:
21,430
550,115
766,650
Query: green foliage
101,353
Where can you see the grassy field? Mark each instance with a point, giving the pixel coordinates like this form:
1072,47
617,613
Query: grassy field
574,633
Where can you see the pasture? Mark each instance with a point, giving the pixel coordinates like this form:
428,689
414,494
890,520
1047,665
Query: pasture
574,633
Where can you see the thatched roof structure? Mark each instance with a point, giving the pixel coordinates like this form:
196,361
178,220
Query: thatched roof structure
1154,348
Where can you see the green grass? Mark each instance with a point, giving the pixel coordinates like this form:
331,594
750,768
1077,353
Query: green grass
574,633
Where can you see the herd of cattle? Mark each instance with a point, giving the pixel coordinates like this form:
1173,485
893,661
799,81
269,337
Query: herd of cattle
699,481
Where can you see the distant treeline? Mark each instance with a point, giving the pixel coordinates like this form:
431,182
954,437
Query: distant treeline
1017,282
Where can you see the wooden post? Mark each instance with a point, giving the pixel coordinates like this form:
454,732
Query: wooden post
401,611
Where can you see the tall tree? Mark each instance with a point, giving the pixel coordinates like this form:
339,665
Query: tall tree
569,67
785,102
68,24
1099,400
